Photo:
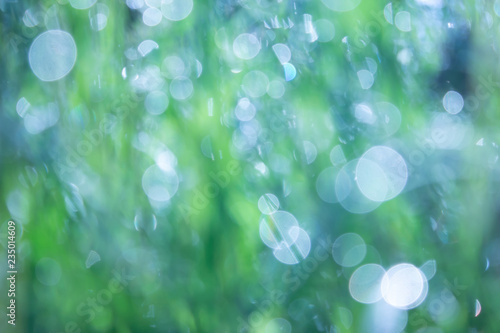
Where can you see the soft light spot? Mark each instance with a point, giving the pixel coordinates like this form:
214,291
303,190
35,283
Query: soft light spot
325,30
310,30
31,17
152,16
325,185
449,132
453,102
349,250
156,102
158,184
310,151
154,3
98,21
246,46
345,316
276,89
337,156
349,194
383,318
38,119
22,107
52,55
290,72
282,52
431,3
176,10
173,66
496,7
291,254
199,68
366,78
404,56
245,110
145,221
403,21
147,46
478,308
364,114
278,325
404,286
82,4
268,204
92,259
135,4
278,227
429,269
255,83
149,79
381,173
181,88
206,147
371,64
389,117
388,13
365,282
341,6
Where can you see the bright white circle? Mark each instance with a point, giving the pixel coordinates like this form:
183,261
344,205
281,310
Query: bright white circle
52,55
403,285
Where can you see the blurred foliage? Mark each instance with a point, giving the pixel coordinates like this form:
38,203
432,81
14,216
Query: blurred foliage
196,262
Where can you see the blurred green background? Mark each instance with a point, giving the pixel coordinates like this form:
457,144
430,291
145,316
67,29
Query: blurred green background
134,179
